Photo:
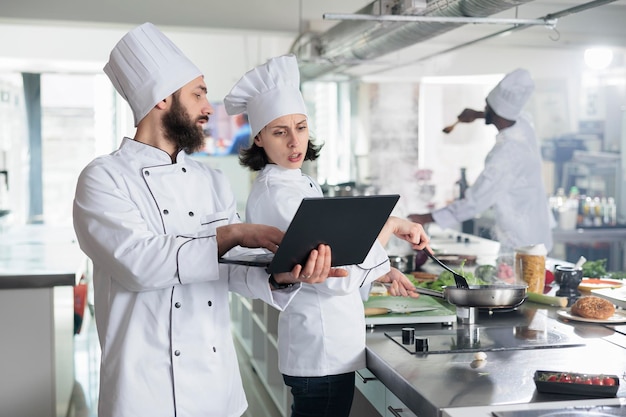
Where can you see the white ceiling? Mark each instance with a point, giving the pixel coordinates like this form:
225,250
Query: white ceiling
600,25
264,15
604,23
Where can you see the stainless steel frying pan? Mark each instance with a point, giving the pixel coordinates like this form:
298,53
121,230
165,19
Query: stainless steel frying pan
483,296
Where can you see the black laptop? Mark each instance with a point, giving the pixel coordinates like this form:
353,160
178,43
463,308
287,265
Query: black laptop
349,225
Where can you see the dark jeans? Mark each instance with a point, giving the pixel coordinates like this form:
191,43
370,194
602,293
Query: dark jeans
324,396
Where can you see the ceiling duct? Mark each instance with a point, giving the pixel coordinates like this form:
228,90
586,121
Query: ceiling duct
351,42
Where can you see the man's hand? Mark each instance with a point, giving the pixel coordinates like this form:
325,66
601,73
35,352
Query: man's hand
315,270
469,115
398,284
248,236
421,218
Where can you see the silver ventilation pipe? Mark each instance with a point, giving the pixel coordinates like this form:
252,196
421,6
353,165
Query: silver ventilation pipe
351,42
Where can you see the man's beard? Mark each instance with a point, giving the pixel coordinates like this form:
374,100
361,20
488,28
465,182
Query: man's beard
181,130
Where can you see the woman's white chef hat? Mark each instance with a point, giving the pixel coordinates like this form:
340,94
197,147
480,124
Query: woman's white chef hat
145,67
267,92
508,98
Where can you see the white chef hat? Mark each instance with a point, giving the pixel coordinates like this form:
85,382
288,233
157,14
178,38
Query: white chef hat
267,92
508,98
145,67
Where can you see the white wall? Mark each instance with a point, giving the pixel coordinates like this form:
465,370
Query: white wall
558,64
450,82
44,47
223,56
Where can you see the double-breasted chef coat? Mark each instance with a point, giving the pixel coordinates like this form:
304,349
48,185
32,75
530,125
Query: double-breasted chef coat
512,184
161,298
322,331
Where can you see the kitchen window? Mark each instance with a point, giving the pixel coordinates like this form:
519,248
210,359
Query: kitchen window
78,124
79,119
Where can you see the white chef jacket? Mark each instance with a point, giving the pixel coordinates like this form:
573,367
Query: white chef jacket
161,298
322,331
512,184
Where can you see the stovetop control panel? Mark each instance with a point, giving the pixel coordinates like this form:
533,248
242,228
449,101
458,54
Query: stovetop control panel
473,338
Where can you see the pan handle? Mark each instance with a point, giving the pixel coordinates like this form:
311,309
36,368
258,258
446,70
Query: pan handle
427,291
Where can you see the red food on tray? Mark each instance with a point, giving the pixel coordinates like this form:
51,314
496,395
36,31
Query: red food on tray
571,383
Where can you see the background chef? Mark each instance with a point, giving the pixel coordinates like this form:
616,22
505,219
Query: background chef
511,181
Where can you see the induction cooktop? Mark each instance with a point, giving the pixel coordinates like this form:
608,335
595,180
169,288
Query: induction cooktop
483,339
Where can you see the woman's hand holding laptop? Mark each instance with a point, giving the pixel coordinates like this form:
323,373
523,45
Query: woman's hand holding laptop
316,269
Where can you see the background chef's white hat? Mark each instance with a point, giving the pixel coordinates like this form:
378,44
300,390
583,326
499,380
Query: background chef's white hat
508,98
267,92
145,67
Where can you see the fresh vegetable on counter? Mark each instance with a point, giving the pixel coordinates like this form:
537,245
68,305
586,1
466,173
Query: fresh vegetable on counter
487,273
547,299
446,278
618,274
597,269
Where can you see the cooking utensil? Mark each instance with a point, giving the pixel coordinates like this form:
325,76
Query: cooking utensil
460,280
580,262
377,311
448,129
484,296
467,300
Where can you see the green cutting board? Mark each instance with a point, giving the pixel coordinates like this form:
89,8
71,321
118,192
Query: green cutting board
443,313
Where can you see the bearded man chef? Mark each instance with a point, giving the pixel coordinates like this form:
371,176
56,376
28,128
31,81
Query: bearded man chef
511,180
154,223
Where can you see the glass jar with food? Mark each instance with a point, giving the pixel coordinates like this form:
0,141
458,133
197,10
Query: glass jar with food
530,267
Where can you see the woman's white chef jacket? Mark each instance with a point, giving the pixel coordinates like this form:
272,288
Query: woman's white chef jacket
512,184
322,331
161,298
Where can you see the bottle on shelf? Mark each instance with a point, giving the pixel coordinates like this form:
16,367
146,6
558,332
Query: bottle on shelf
557,202
569,211
468,225
462,183
597,212
611,212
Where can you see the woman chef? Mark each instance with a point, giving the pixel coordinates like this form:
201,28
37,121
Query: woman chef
321,334
154,222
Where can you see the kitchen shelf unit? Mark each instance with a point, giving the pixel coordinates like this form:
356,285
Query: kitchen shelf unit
255,325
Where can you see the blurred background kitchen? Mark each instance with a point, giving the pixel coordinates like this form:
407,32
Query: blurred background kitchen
380,85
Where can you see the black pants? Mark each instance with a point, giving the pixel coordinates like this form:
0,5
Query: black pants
324,396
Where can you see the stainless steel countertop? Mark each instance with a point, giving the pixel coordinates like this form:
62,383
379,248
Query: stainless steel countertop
427,384
39,256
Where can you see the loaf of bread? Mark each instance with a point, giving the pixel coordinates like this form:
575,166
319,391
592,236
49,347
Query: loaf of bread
592,307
